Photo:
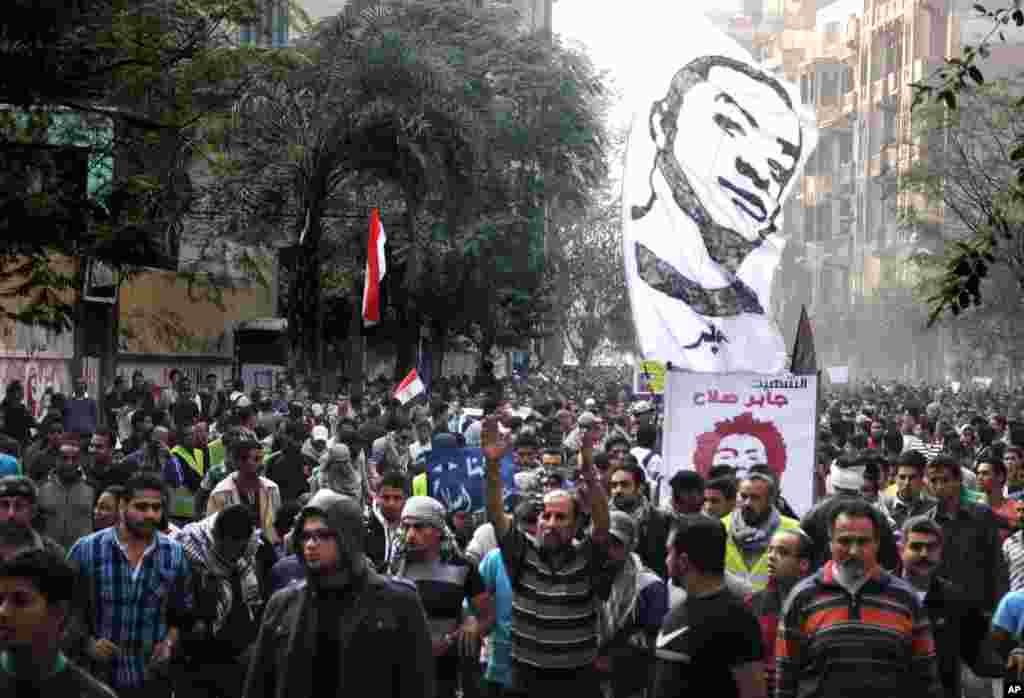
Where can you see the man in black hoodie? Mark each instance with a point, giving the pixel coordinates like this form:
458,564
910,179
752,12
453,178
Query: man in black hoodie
320,636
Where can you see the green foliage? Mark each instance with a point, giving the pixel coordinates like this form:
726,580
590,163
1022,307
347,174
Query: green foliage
128,81
463,131
990,222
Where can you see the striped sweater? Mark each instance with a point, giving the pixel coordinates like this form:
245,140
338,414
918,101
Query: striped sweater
875,643
554,609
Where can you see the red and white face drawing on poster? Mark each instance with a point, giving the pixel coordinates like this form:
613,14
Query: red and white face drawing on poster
741,443
742,421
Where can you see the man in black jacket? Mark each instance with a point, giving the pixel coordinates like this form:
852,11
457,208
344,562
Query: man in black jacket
321,636
958,627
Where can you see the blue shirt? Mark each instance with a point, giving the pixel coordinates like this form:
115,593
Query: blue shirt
128,605
9,465
1010,614
499,665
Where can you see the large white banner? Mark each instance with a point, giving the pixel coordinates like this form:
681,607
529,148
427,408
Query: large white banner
743,420
716,146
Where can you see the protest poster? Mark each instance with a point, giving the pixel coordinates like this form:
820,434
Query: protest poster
743,420
455,477
650,378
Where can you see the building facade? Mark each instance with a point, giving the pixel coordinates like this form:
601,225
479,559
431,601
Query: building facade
854,62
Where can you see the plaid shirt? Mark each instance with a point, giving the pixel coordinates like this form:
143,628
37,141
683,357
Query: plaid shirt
130,607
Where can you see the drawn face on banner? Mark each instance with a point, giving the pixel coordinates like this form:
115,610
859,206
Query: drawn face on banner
740,451
728,142
741,442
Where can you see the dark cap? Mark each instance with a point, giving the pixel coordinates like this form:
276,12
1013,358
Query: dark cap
17,486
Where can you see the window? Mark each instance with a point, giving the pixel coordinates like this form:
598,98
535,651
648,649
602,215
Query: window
279,28
247,34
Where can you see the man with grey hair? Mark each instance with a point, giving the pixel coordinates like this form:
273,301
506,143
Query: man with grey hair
750,528
957,625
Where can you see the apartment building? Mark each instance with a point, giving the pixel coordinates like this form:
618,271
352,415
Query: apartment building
854,61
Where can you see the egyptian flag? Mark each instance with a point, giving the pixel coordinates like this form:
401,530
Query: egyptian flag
375,268
410,387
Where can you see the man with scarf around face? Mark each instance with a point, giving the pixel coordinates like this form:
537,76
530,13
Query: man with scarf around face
632,615
228,574
626,487
750,528
321,636
429,557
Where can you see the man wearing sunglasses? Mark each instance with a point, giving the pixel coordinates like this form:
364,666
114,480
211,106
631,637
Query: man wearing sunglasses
320,635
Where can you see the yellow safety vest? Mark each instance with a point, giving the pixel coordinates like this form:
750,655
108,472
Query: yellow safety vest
194,458
757,576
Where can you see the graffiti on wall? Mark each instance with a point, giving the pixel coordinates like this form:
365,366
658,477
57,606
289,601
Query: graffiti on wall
42,377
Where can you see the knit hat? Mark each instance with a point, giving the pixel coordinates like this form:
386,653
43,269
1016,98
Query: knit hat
320,433
17,486
424,510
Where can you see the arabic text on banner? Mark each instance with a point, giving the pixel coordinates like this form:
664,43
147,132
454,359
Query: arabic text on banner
455,477
743,420
716,147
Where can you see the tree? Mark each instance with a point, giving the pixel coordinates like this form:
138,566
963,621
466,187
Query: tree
123,82
455,125
597,310
997,238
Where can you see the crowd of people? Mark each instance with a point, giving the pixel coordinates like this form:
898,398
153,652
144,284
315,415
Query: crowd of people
223,543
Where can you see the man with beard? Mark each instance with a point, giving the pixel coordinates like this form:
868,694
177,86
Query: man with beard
556,583
958,628
711,639
853,629
789,561
444,580
140,587
632,615
750,528
65,500
321,636
626,487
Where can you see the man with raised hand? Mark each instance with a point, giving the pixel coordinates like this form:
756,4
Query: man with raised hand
556,583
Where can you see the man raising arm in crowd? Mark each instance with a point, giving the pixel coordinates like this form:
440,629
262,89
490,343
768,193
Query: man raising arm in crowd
555,582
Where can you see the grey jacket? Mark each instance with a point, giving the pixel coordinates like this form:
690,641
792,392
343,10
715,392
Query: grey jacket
66,509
